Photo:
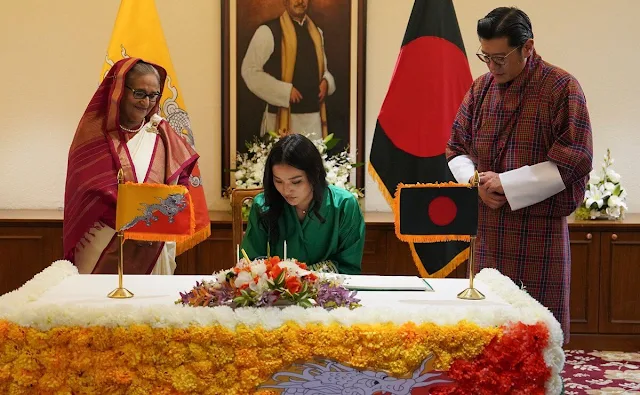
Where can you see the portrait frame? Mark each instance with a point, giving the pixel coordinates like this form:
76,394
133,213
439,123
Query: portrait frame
231,79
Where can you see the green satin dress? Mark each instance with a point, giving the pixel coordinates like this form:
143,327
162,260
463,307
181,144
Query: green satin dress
338,242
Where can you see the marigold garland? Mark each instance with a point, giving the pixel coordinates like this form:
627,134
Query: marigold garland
214,360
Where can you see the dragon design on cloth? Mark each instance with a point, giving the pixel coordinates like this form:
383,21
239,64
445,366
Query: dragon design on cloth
328,377
169,207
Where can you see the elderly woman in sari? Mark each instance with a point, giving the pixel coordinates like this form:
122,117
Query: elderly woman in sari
121,130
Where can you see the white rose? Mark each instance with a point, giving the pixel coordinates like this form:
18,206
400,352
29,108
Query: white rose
260,286
222,276
242,279
292,268
258,269
614,201
331,176
613,212
613,176
594,178
609,186
239,174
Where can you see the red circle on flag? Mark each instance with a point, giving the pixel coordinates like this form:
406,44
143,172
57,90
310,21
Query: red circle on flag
428,84
442,210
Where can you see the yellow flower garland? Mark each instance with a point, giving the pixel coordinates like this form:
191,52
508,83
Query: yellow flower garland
214,360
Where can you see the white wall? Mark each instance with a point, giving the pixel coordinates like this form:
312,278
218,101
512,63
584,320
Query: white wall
52,53
593,40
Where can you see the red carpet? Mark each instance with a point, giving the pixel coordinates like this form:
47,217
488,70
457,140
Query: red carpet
601,372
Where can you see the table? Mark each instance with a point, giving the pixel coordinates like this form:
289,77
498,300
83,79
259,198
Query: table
60,332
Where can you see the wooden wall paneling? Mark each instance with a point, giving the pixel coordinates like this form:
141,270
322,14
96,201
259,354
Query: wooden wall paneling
399,259
26,251
375,251
216,253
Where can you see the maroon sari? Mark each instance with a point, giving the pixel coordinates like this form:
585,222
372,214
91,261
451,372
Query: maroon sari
98,151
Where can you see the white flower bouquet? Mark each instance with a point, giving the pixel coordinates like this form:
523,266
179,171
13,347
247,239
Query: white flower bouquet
605,196
250,165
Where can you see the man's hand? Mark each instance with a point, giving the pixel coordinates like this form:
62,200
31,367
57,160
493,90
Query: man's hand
324,86
492,182
295,96
490,190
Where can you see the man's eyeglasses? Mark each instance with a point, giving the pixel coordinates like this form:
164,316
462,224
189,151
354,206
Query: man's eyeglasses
140,94
500,60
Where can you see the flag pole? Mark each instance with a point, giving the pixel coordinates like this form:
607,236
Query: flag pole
120,292
471,293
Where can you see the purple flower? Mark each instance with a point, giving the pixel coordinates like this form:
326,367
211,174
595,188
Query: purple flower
221,296
204,294
268,298
331,296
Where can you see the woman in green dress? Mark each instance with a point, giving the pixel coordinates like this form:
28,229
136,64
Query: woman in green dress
321,224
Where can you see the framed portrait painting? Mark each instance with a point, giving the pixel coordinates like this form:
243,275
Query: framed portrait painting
292,66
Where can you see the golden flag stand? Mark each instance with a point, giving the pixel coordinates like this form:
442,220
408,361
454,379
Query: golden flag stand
120,292
471,293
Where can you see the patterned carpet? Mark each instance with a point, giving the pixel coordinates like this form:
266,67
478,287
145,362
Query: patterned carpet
601,372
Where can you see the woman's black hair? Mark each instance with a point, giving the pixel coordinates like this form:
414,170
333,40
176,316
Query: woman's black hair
296,151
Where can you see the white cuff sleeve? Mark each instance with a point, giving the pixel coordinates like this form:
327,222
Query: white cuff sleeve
529,185
462,168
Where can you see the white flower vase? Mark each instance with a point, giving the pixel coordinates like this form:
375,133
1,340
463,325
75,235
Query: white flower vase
605,197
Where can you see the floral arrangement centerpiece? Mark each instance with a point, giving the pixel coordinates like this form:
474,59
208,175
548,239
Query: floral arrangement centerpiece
250,165
605,197
270,282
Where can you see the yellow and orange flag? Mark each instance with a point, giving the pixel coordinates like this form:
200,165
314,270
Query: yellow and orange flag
138,33
154,212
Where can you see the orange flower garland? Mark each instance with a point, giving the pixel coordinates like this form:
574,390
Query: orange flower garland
213,360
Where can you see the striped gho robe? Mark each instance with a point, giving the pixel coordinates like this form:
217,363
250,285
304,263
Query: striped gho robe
540,118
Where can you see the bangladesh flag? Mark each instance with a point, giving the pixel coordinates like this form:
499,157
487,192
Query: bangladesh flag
429,82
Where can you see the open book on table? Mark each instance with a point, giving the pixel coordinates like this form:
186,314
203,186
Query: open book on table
386,283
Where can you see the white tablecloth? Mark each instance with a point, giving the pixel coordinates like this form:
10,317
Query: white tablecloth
92,290
59,296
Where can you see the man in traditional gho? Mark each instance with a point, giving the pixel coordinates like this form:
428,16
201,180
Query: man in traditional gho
286,66
524,126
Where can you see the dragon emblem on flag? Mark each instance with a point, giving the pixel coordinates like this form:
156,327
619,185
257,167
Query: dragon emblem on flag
168,207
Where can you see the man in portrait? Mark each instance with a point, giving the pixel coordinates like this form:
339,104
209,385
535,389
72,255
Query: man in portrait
286,66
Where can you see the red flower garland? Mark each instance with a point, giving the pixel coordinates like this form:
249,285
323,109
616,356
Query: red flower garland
510,364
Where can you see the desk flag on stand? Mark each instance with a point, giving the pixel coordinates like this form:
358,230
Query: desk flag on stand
154,212
138,33
430,213
428,84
